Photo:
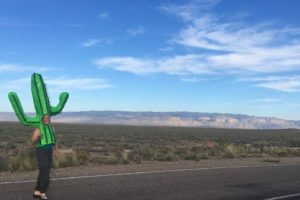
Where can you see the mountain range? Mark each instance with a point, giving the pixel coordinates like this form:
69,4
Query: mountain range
180,119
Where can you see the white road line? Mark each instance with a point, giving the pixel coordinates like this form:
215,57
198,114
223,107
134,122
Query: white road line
149,172
284,197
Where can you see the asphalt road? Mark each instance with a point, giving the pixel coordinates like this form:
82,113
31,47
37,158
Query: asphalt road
228,183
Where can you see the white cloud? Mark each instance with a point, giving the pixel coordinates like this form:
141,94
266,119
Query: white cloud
284,58
284,86
6,68
165,49
103,15
94,42
222,46
78,83
90,43
257,61
266,100
189,11
178,65
192,79
289,83
186,64
209,33
235,45
61,83
136,31
16,84
128,64
10,68
238,46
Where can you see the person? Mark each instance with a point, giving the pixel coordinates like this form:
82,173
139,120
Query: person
44,141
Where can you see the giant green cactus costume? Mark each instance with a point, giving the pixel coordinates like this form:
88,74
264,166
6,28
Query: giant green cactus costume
42,107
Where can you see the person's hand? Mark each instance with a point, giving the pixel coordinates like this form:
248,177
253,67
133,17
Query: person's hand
56,151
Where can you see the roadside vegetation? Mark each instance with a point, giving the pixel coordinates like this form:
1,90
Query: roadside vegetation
108,145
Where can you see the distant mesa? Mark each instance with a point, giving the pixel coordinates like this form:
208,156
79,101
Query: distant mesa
180,119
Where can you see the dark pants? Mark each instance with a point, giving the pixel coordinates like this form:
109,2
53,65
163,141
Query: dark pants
44,158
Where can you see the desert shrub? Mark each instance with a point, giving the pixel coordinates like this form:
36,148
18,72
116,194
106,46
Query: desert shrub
147,154
160,156
131,155
295,151
103,144
112,160
137,159
125,162
128,156
197,148
10,146
283,151
180,151
3,164
231,151
272,160
21,163
204,156
65,160
22,159
82,157
191,156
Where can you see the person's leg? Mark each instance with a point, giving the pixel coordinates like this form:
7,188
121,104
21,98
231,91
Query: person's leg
44,158
38,182
40,157
45,170
45,174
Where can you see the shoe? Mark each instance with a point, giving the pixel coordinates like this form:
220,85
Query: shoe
43,196
36,194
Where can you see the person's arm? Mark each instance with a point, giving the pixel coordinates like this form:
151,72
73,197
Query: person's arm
35,135
56,150
56,147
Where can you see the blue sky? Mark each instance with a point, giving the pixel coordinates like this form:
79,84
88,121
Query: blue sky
201,56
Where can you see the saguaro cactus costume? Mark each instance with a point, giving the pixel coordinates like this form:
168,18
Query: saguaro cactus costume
42,107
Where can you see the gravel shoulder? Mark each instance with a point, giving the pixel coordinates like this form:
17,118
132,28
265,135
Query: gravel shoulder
148,166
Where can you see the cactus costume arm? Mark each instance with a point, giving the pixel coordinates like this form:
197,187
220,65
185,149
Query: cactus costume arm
41,104
62,101
31,121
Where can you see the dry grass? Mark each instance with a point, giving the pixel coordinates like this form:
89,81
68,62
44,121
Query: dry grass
99,144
